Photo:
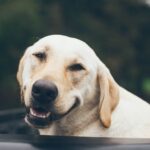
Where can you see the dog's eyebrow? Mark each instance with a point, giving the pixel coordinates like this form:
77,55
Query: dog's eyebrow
42,49
75,61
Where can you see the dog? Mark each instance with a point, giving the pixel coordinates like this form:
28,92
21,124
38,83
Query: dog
68,91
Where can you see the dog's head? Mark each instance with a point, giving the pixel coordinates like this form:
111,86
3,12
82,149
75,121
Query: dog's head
58,74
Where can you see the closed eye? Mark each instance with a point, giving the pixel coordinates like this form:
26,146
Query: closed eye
76,67
40,55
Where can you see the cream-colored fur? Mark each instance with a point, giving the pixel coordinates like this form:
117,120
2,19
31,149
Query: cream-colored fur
105,109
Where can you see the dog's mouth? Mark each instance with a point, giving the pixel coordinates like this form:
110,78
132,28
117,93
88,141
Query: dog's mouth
39,117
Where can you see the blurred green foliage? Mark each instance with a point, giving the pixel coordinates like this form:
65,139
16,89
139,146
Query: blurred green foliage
119,32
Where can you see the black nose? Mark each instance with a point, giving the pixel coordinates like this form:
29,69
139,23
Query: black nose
44,91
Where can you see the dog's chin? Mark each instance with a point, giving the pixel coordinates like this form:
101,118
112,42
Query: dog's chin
42,118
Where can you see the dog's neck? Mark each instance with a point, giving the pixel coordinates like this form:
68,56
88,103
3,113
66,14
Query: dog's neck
76,122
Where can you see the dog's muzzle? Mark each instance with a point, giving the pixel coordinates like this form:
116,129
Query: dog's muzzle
40,113
44,93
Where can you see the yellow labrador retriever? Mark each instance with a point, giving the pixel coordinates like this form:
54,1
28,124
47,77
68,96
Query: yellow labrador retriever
67,90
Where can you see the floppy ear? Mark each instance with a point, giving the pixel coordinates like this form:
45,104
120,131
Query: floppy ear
21,67
109,94
19,76
20,72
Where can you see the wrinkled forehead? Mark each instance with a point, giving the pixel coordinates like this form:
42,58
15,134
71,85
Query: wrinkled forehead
64,47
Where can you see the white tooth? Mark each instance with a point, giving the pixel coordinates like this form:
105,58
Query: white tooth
39,115
33,113
43,116
48,114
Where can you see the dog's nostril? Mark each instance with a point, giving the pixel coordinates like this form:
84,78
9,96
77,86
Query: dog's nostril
35,89
44,91
50,93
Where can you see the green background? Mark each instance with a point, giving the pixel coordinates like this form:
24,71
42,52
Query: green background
118,30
